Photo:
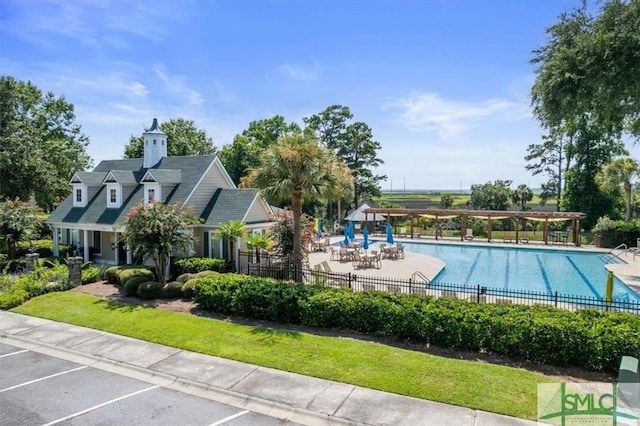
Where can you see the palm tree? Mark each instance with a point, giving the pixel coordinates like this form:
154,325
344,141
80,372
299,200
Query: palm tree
259,242
619,172
230,231
295,168
521,195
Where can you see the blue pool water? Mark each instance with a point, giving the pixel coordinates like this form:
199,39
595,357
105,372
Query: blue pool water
547,271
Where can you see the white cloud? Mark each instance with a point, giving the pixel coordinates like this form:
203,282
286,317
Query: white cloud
428,112
178,86
300,72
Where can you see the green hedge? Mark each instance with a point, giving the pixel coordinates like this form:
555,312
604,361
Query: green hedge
120,274
43,247
149,290
587,338
194,265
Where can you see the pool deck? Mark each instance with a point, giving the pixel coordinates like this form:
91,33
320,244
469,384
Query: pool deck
429,266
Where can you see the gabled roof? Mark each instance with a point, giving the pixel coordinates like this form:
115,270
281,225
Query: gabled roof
162,176
228,204
191,168
88,178
123,177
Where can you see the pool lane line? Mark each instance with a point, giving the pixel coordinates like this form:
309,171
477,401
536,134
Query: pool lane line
585,279
544,275
473,266
506,273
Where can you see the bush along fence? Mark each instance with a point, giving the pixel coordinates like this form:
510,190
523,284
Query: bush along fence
586,338
283,269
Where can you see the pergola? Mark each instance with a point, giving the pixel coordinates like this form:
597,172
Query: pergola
489,216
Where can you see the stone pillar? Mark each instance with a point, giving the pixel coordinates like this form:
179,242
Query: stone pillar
75,270
32,261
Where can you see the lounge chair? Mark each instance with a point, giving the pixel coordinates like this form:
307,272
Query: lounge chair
524,237
335,253
506,238
401,250
469,235
403,232
451,294
358,262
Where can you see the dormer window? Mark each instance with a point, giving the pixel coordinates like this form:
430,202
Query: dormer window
114,195
80,195
152,193
154,141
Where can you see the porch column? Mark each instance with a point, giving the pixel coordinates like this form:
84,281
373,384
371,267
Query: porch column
114,247
129,255
56,242
85,239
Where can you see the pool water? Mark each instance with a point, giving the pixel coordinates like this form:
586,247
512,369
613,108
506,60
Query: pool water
547,271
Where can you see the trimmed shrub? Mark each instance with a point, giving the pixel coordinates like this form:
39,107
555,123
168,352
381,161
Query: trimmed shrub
149,290
132,284
215,293
12,298
123,275
198,264
183,278
172,290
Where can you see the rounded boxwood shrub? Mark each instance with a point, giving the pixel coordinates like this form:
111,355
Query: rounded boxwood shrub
149,290
183,278
132,284
173,290
123,275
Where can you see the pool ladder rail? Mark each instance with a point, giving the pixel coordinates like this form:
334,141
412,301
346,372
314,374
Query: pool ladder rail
417,275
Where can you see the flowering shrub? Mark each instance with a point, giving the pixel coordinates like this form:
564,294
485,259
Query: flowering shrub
282,232
156,230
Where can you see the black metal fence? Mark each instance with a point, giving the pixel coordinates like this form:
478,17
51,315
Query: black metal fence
282,268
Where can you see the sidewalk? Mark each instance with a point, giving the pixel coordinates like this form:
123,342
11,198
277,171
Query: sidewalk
297,398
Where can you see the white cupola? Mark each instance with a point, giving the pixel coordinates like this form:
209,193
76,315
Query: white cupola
155,145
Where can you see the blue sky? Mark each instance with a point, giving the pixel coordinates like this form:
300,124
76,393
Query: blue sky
443,84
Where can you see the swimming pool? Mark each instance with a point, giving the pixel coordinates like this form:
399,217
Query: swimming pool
547,271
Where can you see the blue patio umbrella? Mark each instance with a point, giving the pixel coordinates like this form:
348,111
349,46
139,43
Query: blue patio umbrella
365,234
352,234
389,234
346,235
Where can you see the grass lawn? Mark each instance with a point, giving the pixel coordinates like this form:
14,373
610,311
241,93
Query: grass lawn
477,385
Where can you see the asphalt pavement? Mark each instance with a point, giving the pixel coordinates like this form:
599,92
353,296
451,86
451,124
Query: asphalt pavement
288,397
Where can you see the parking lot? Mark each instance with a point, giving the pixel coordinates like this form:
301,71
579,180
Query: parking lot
37,389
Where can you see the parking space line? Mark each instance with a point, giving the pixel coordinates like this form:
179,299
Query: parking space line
95,407
15,353
226,419
42,378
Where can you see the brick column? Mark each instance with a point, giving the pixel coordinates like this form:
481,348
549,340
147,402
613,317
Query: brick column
75,270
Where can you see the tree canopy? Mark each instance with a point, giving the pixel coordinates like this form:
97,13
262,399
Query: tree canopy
491,196
352,143
587,95
245,150
183,138
41,145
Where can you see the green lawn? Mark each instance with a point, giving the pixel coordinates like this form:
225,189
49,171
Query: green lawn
477,385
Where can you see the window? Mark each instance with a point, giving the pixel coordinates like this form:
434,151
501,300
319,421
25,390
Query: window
78,195
113,196
151,195
154,141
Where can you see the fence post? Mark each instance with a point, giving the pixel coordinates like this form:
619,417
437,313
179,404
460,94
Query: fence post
349,279
409,285
556,298
478,294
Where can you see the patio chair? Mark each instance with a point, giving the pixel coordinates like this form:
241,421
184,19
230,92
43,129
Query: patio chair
401,250
403,232
344,255
506,238
335,253
524,237
326,244
469,235
358,262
